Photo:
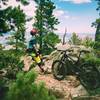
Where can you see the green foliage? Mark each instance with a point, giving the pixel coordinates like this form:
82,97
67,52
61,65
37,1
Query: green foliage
10,64
24,88
51,39
1,47
45,21
95,92
97,25
88,42
98,8
4,22
49,42
75,40
10,58
92,59
18,18
24,2
20,44
13,19
3,88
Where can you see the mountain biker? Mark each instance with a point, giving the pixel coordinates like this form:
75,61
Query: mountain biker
32,49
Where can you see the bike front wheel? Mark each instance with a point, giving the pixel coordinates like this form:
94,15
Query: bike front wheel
90,76
59,70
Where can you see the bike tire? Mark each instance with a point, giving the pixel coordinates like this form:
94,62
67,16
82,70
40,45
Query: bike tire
90,76
61,68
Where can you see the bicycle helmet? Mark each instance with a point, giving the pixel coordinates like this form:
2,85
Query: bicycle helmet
33,32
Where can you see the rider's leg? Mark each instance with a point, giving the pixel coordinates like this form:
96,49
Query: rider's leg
41,67
39,62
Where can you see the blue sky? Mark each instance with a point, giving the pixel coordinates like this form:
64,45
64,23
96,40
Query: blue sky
76,15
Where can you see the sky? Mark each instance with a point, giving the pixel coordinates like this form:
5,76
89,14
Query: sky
74,15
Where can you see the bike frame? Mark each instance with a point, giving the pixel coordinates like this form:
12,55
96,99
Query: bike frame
73,63
66,56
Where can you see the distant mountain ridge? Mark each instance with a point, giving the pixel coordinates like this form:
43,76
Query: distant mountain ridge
81,35
3,39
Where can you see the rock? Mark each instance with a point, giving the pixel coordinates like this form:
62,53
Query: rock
27,63
73,81
79,91
87,98
57,93
62,47
65,89
3,72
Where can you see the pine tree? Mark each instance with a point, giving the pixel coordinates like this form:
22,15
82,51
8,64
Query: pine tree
17,17
75,40
97,25
4,22
5,25
45,21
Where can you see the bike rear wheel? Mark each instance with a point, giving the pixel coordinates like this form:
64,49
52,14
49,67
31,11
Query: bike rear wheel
59,70
90,76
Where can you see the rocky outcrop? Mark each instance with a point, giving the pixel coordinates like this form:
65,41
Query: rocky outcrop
87,98
65,89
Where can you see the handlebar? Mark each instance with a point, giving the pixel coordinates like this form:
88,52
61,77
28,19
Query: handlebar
84,51
69,50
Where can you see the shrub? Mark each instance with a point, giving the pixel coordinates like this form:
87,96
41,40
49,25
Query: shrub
97,49
3,88
10,61
75,40
10,64
49,42
88,42
92,59
25,88
9,58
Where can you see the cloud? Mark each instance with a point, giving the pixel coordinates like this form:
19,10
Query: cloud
67,16
61,14
78,1
58,12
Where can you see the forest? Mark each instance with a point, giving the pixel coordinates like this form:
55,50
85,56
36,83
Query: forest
66,72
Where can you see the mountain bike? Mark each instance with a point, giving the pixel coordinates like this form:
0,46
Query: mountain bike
88,74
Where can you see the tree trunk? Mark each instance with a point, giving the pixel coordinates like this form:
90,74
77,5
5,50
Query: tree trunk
97,35
64,37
